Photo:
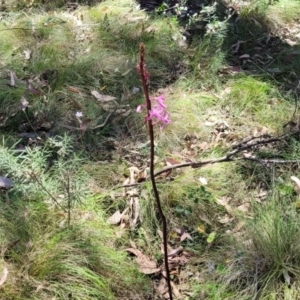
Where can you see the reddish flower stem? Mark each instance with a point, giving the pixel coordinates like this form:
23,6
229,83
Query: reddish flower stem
145,82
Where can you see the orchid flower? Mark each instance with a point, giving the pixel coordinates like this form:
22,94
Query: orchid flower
158,112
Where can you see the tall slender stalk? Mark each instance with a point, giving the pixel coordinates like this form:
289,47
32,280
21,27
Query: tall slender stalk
145,83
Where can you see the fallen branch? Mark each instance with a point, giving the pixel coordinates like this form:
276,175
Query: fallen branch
231,156
225,158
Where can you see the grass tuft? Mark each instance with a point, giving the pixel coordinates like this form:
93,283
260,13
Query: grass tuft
267,255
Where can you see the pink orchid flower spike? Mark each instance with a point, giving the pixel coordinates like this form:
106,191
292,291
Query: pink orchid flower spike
158,112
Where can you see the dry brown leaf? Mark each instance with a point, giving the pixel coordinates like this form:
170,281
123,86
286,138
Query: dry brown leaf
32,90
23,103
180,230
205,219
125,218
3,276
102,97
133,244
171,162
162,248
133,171
12,79
230,70
162,287
115,218
224,220
166,174
160,233
244,56
123,225
73,89
185,236
150,29
238,226
174,272
290,42
146,266
175,251
248,154
203,146
125,182
136,209
175,290
224,202
137,18
297,181
244,207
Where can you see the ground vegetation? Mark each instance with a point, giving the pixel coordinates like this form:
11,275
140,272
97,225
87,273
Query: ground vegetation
78,215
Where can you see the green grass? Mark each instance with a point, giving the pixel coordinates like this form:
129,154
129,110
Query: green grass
258,102
87,51
284,11
267,251
209,291
55,241
51,261
206,58
45,255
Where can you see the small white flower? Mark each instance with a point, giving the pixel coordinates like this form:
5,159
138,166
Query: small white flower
79,114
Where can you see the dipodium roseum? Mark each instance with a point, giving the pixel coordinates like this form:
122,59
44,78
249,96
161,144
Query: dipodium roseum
158,112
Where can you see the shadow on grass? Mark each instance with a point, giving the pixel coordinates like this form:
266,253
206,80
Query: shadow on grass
253,43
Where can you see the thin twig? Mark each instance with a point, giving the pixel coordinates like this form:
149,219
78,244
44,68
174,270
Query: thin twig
145,81
104,123
295,111
32,29
68,190
252,138
256,280
294,114
80,129
246,144
32,174
272,160
199,164
19,28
